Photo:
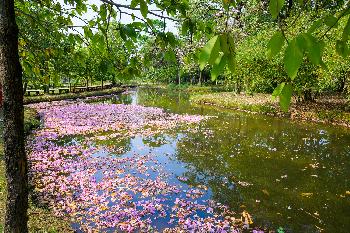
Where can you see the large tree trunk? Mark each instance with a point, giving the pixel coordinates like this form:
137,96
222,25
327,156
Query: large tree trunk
15,158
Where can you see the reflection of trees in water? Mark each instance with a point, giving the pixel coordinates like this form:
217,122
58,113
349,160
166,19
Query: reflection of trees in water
280,160
155,141
115,145
169,100
123,99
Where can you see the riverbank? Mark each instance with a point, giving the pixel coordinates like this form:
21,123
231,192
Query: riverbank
49,98
40,220
189,88
328,109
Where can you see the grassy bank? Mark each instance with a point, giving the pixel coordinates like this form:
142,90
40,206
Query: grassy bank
190,88
49,98
40,220
328,109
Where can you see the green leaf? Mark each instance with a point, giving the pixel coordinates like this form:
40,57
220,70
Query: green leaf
301,42
292,59
185,27
231,54
150,23
143,8
278,90
286,97
275,7
218,66
210,52
331,21
316,25
103,11
342,48
58,7
231,61
87,32
122,33
346,31
231,44
134,3
224,44
94,7
314,49
275,44
129,30
171,39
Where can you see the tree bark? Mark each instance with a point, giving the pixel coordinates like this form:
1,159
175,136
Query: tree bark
25,87
15,158
200,77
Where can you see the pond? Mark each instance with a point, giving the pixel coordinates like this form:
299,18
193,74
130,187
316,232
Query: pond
112,165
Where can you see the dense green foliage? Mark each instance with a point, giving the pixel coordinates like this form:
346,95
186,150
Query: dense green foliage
298,47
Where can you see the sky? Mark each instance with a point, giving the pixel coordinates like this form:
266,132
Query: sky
90,14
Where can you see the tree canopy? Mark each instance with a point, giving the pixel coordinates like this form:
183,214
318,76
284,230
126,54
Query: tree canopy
297,36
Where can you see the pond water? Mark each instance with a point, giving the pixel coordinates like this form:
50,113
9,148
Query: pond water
287,175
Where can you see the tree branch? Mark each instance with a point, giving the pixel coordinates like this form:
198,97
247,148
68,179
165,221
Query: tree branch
131,8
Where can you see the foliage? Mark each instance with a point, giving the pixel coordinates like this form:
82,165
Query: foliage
214,40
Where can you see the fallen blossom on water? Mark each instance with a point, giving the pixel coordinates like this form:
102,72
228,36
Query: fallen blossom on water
82,167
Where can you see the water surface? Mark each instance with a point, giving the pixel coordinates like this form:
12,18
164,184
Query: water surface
285,173
288,175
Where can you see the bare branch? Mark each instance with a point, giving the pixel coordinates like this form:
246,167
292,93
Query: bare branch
131,8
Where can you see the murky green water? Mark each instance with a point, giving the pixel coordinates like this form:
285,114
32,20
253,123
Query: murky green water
285,174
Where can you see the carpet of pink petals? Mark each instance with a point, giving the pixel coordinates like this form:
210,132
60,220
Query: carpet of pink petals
108,191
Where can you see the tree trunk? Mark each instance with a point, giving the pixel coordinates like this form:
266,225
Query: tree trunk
25,87
200,77
308,97
15,158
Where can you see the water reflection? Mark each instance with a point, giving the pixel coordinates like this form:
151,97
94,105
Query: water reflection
288,174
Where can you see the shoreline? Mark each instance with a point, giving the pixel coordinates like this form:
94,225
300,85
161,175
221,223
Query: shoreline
263,104
50,98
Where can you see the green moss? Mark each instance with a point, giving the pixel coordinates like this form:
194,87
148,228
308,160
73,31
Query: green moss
40,220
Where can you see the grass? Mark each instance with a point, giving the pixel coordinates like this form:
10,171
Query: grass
40,220
259,103
191,88
327,109
49,98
